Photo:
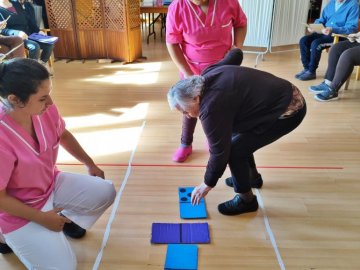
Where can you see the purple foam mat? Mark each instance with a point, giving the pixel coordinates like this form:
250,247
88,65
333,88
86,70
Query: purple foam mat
195,233
176,233
163,233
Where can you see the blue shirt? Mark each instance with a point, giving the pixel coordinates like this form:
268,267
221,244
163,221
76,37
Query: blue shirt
342,21
339,4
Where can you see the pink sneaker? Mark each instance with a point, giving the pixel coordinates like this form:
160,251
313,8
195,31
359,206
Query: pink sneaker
182,153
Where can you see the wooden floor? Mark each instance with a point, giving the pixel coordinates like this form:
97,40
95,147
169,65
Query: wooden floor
310,216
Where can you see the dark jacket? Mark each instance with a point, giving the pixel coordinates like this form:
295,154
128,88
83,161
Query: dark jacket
23,20
237,99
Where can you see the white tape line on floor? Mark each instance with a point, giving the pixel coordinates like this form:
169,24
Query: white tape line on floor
116,204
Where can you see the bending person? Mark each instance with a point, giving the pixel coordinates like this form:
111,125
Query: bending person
37,201
241,110
343,57
198,34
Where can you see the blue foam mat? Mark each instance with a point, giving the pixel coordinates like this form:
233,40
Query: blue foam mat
181,257
187,210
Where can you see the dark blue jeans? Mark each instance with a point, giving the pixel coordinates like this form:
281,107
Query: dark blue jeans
311,47
35,47
243,145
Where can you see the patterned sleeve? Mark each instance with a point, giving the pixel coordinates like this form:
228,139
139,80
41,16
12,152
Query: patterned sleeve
173,24
240,19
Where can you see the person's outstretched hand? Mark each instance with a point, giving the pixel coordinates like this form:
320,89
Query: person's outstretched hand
199,192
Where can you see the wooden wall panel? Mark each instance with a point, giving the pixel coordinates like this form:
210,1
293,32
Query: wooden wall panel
96,29
116,42
62,24
135,44
91,44
67,46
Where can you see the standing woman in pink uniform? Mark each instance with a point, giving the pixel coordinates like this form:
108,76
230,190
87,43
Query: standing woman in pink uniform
198,34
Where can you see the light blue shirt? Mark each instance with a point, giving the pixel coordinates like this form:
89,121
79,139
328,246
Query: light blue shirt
338,5
343,21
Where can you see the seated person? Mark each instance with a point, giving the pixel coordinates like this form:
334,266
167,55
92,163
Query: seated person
39,204
343,57
22,23
340,17
9,43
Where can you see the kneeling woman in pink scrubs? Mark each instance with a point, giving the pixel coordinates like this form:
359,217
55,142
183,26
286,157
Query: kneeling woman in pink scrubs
199,33
39,203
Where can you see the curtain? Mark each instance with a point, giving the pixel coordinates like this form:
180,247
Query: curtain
259,14
274,22
288,21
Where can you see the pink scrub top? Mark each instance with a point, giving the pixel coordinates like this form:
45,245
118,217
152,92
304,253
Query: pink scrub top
203,38
27,167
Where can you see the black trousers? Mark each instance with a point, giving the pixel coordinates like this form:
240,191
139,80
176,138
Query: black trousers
242,161
188,129
343,57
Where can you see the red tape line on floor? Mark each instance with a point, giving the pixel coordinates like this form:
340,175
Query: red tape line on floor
203,166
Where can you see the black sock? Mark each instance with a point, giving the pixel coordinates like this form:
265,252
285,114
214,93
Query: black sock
247,197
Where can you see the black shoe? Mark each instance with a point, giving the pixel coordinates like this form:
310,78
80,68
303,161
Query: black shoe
254,183
73,230
237,206
5,249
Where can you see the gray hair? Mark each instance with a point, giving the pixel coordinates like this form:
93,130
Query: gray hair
184,91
